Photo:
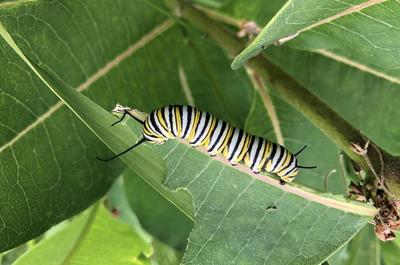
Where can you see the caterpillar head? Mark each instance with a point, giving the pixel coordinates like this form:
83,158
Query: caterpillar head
120,109
292,170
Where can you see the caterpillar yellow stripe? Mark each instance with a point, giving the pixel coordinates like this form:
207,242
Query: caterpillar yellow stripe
200,128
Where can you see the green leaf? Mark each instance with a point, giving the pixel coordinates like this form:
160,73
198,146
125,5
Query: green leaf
165,222
336,19
8,257
146,163
345,41
364,248
133,198
47,156
165,255
390,251
87,240
117,202
232,204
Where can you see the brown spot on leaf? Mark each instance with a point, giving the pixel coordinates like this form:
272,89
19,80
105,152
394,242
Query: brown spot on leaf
115,212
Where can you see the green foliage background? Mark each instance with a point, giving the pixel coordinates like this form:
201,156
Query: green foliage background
131,52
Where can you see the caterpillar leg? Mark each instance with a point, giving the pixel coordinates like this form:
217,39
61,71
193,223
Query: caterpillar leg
121,119
141,140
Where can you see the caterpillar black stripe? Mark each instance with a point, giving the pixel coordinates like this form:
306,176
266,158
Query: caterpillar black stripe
200,128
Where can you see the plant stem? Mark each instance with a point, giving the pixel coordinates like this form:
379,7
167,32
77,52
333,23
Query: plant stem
217,16
318,112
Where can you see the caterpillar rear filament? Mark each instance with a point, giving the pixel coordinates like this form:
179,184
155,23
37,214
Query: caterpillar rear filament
200,128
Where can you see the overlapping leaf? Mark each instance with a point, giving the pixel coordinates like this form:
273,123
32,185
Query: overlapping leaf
48,166
332,25
371,48
364,248
231,206
165,221
390,251
87,240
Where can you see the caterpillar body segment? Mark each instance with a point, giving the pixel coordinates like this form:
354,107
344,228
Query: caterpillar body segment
200,128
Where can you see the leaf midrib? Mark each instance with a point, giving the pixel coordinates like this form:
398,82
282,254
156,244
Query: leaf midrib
362,67
145,39
80,239
15,3
346,12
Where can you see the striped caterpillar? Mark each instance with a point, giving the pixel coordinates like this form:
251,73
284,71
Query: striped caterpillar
200,128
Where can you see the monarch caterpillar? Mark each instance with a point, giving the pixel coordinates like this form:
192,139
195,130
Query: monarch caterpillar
200,128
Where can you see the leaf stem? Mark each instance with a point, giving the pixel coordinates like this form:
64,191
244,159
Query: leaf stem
259,85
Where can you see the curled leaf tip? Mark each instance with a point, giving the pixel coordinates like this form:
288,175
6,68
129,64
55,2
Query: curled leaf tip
246,55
